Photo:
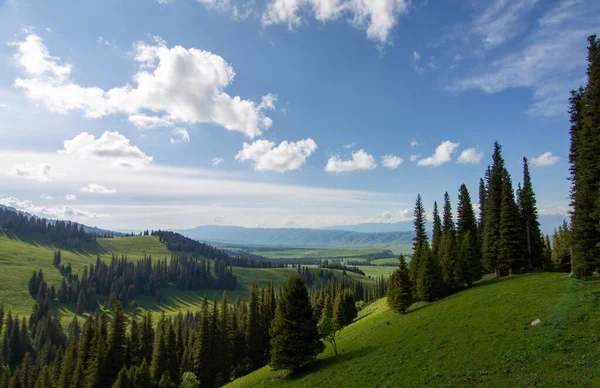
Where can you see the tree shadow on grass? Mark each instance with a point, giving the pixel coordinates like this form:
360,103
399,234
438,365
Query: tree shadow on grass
328,361
44,241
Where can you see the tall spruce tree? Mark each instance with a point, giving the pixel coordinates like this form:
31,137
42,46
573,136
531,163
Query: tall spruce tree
430,279
448,251
295,339
534,244
117,342
492,206
510,252
399,291
585,167
437,230
468,269
420,241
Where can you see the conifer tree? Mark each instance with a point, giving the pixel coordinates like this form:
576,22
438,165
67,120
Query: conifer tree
189,380
253,333
344,308
448,253
143,377
122,380
547,261
117,342
585,168
399,291
509,246
534,244
159,354
147,337
68,366
430,279
468,269
420,240
295,339
492,206
437,230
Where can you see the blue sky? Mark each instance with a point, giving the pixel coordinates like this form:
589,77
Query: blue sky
280,113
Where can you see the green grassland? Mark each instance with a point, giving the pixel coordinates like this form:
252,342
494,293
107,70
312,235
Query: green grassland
481,336
21,254
318,253
375,270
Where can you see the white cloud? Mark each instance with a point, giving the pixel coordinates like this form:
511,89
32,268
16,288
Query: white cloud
239,10
104,42
65,212
41,172
286,156
177,84
442,154
350,145
143,121
70,197
46,197
545,159
414,143
470,156
217,161
360,161
416,58
3,105
180,135
97,189
501,21
414,157
549,59
111,146
378,18
391,161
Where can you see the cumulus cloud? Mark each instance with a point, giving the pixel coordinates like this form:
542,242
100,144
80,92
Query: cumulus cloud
70,197
470,156
360,161
378,18
180,135
97,189
286,156
442,154
217,161
111,146
414,157
391,161
174,83
414,143
144,121
41,172
545,159
46,212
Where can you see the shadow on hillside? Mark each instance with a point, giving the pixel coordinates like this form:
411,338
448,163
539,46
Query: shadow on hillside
328,361
42,241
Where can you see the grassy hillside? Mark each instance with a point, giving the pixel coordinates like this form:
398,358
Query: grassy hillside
482,336
21,254
319,253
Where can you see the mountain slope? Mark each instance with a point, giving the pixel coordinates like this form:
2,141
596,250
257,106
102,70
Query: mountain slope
294,237
482,336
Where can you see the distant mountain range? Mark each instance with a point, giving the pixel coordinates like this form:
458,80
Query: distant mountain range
373,234
295,237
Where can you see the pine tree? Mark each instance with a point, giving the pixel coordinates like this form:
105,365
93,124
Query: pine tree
420,240
509,245
547,258
344,308
585,168
492,206
448,251
399,291
430,279
159,354
534,244
117,342
122,380
147,337
253,333
437,230
166,381
189,380
68,366
143,377
295,339
468,269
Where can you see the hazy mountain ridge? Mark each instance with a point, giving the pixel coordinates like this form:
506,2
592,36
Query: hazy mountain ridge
294,236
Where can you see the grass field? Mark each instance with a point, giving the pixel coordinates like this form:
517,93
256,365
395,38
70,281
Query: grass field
375,271
20,255
481,336
318,253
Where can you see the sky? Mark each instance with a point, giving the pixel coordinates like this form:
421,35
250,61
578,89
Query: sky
280,113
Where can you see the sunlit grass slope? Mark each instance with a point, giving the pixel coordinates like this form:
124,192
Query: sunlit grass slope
482,336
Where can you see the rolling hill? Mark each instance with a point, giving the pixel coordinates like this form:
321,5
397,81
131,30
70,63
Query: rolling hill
482,336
